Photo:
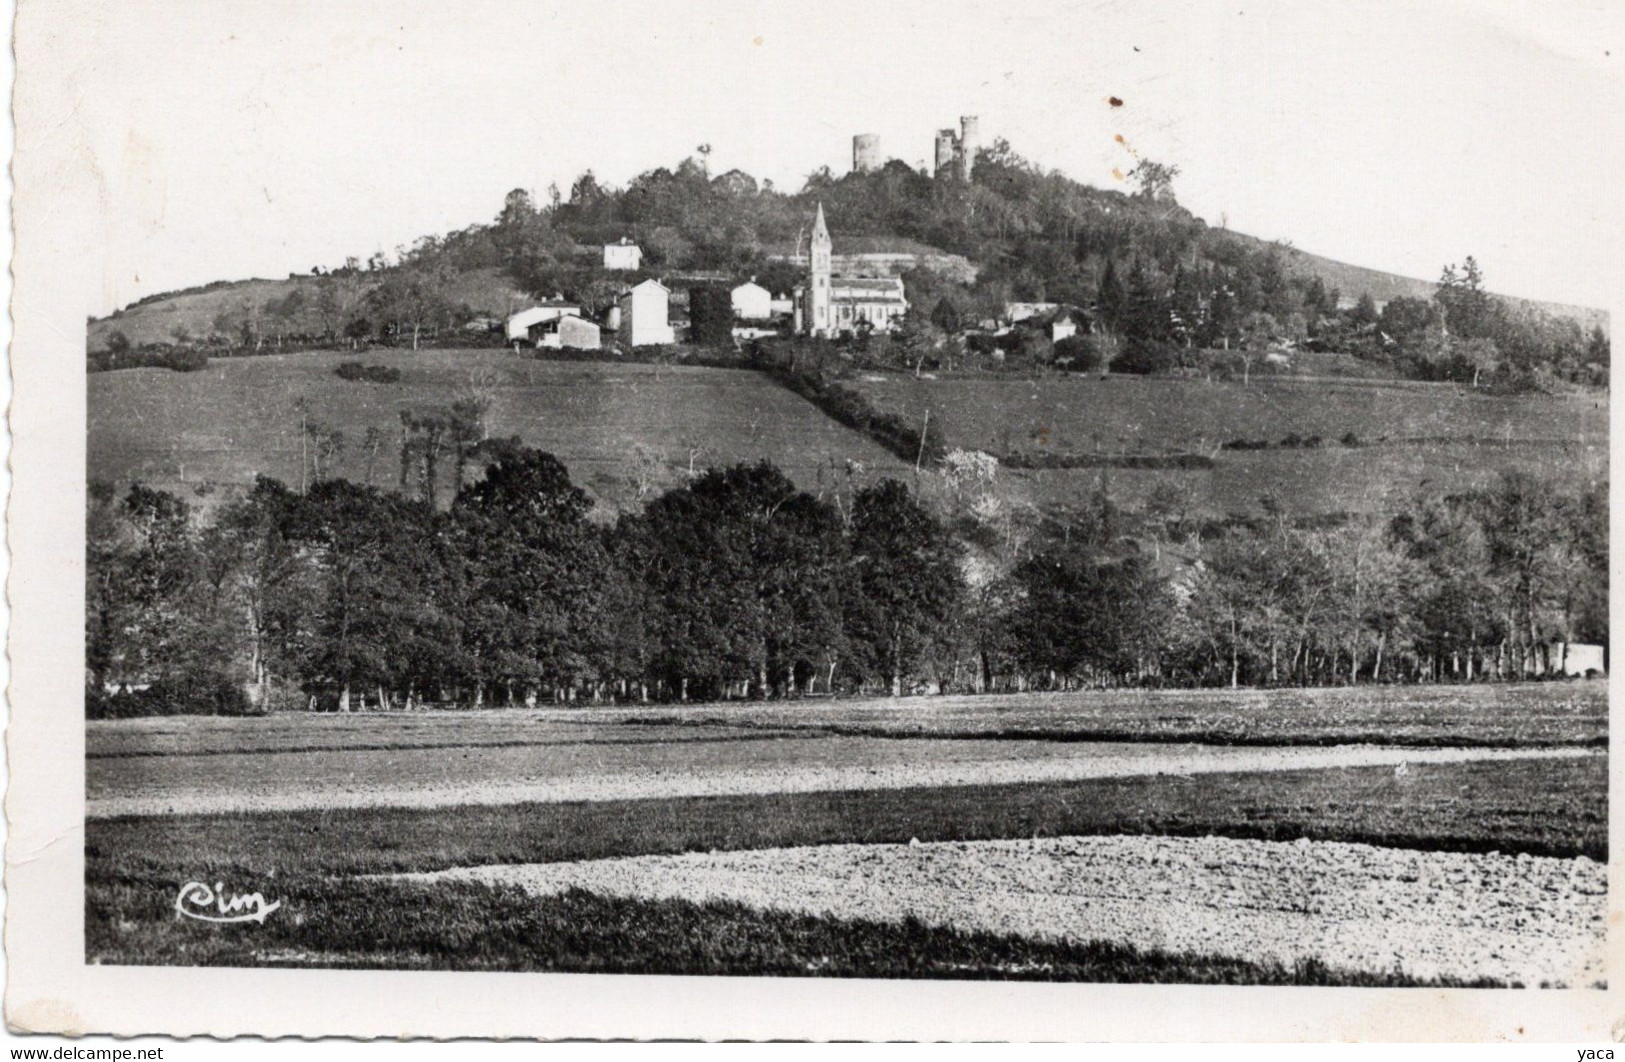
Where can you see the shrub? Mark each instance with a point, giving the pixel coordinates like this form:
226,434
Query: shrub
1077,353
853,408
981,343
711,316
1145,357
198,693
149,356
1049,459
1034,347
354,370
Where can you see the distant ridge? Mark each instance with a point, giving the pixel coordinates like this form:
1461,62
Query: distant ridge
1353,281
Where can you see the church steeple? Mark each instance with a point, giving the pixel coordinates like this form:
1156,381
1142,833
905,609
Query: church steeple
818,320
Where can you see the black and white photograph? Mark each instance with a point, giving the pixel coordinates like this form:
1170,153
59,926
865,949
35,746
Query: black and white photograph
1080,493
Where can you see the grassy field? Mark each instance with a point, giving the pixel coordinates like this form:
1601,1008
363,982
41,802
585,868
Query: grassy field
1543,807
196,431
237,418
135,866
507,756
1509,715
313,859
374,924
1413,435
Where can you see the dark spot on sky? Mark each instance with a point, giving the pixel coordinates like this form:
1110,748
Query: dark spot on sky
1115,102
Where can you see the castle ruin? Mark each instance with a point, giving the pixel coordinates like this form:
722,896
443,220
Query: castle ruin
955,151
866,156
956,154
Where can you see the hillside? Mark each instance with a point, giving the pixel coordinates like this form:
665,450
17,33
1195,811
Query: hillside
611,424
616,424
1403,436
1015,231
486,291
1353,281
489,291
1157,278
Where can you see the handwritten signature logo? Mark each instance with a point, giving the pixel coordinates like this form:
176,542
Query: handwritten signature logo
197,900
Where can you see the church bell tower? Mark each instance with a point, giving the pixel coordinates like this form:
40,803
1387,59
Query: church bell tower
817,318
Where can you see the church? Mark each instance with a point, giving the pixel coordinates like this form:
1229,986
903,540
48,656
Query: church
830,306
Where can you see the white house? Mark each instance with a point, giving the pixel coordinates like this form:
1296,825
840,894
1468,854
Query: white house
752,302
1020,311
1575,658
518,325
568,332
645,319
1062,322
626,255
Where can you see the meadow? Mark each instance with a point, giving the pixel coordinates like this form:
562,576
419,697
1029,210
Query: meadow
1509,715
1410,436
622,428
238,418
323,862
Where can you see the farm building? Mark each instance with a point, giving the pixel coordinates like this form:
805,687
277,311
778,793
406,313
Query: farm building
1576,659
569,332
645,315
1021,311
752,302
625,256
1063,322
518,325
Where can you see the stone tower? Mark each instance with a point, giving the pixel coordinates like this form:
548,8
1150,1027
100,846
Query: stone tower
865,153
970,139
817,316
946,148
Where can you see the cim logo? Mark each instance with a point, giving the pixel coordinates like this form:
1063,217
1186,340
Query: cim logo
198,901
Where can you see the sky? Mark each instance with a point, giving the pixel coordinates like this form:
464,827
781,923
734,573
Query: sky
234,140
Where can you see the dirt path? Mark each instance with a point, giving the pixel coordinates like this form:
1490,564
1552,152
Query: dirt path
1429,914
442,778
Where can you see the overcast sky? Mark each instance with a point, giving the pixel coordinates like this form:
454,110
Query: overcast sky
255,139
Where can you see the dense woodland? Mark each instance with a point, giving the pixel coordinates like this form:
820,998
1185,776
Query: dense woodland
738,584
1164,290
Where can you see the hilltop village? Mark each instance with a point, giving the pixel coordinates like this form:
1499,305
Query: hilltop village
840,295
981,260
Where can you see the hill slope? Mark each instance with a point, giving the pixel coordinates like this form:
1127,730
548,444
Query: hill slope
616,424
1410,436
158,319
1354,281
609,423
490,292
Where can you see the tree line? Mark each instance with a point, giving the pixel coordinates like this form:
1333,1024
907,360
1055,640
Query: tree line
739,584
